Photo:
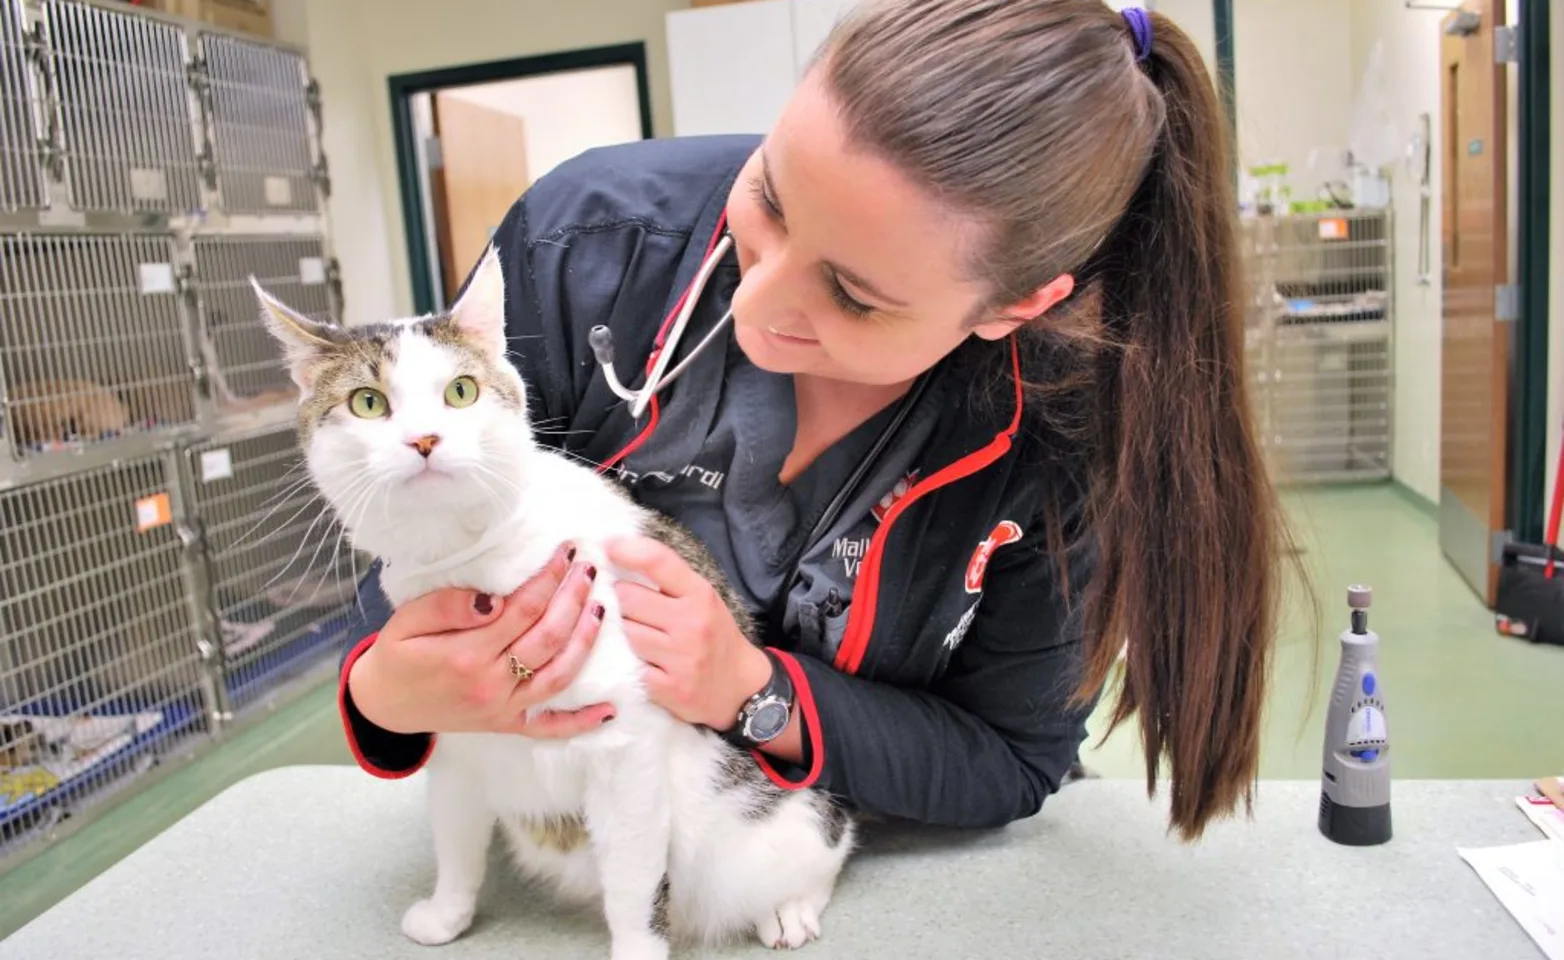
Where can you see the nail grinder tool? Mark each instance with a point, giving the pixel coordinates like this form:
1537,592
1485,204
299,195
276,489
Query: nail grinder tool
1355,787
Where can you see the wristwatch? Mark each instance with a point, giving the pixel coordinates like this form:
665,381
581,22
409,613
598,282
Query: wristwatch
764,715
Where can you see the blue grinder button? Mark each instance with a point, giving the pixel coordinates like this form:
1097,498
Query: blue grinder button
1368,684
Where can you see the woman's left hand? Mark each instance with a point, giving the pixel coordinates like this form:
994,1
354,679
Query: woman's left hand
701,666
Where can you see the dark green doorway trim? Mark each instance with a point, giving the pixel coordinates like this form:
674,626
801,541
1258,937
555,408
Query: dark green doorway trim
404,86
1529,339
1226,82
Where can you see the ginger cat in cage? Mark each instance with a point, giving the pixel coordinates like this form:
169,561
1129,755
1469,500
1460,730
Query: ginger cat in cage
62,411
56,411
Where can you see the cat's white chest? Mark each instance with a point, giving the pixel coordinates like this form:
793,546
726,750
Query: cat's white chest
498,572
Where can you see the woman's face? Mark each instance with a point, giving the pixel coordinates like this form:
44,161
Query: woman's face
849,271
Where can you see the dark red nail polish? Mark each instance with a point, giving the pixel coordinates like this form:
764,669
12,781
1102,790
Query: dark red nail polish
597,611
608,718
570,552
483,603
591,572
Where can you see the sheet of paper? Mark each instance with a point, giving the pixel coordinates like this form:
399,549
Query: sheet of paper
1528,879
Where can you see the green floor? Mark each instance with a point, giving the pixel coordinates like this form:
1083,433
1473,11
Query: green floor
1462,702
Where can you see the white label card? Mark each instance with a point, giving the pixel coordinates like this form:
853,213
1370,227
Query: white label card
156,277
279,192
148,183
216,465
312,271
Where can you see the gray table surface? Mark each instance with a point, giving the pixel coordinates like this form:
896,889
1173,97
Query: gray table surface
319,862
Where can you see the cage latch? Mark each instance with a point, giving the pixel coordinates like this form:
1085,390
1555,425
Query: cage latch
312,97
321,174
49,147
199,76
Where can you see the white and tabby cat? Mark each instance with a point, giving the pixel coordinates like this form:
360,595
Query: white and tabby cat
678,833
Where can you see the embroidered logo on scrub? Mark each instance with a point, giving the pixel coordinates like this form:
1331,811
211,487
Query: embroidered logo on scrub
903,486
977,568
959,633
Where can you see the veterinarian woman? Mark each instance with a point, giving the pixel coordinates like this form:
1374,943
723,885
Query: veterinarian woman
979,417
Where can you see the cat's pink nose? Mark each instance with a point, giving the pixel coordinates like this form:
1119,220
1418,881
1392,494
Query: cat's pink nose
425,445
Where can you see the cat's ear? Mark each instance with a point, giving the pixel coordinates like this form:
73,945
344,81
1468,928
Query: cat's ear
479,312
304,341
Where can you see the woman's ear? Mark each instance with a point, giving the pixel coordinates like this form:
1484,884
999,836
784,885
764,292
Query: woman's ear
1022,312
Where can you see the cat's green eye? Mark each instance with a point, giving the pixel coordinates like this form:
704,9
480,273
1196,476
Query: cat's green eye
461,392
367,403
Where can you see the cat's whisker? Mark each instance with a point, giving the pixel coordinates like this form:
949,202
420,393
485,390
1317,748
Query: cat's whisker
325,536
361,482
581,459
545,431
490,492
490,471
287,496
303,542
342,530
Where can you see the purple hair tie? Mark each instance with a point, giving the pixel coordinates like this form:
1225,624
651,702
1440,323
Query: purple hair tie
1140,25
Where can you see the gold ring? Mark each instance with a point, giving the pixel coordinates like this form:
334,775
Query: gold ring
520,670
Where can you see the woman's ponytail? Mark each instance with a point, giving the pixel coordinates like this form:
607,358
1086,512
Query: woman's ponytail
1183,504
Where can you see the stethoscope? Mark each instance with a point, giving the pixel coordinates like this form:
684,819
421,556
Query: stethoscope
601,340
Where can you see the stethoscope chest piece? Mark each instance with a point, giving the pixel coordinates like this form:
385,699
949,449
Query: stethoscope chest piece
601,340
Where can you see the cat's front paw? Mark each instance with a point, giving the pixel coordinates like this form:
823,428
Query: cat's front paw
793,925
646,947
432,923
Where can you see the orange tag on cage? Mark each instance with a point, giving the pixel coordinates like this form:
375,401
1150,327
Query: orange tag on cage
153,511
1333,228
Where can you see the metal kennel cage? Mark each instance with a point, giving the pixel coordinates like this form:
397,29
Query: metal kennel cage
246,365
258,101
159,572
100,669
1319,342
281,578
122,98
21,146
93,344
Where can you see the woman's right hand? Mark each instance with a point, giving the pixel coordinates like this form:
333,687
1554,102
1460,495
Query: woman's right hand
441,664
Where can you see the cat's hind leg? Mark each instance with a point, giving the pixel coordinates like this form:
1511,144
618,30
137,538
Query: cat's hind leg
463,825
815,836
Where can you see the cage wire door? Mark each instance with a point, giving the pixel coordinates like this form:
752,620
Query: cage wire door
100,671
123,101
258,120
93,344
282,576
1320,343
246,365
21,152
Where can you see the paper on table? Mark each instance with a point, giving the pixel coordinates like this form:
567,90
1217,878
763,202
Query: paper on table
1528,879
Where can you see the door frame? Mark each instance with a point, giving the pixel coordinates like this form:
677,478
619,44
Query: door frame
404,86
1528,468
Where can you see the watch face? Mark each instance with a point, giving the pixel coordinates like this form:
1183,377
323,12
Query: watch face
768,721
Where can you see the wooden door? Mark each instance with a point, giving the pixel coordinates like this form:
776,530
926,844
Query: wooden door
482,170
1474,375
